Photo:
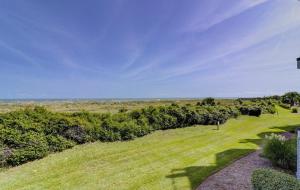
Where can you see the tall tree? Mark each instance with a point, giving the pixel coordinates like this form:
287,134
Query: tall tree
291,98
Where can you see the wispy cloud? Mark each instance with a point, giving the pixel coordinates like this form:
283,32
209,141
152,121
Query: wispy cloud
45,39
278,22
71,64
197,23
19,53
215,14
142,48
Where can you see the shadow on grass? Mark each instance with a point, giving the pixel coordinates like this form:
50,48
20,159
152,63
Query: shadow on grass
197,174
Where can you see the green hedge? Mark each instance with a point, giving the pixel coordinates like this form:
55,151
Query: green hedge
267,179
256,108
285,106
30,134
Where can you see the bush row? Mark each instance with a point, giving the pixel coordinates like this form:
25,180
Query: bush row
257,108
30,134
285,106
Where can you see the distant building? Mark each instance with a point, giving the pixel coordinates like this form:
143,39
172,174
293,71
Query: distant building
298,62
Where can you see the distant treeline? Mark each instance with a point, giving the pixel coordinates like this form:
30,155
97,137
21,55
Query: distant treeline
33,133
287,100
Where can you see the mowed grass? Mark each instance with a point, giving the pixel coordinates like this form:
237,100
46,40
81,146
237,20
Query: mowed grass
173,159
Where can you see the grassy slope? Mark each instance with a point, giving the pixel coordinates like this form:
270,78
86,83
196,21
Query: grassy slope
173,159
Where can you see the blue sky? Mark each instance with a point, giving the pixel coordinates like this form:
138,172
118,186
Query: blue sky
141,48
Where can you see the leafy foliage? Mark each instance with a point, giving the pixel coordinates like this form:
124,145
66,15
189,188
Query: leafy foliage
31,134
294,110
30,146
281,152
291,98
257,108
267,179
285,106
208,101
59,143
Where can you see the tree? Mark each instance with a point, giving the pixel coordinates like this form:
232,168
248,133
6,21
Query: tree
291,98
208,101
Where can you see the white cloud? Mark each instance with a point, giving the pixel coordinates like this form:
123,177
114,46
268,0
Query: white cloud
195,24
20,53
281,18
212,15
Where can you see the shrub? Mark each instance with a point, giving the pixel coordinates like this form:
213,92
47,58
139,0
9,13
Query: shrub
58,143
294,110
285,106
32,146
281,152
68,126
239,101
179,113
128,130
11,137
123,110
291,98
5,153
267,107
257,107
76,133
251,110
255,111
32,133
244,110
108,131
267,179
208,101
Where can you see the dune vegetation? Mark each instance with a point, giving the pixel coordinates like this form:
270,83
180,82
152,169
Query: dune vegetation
97,106
32,133
171,159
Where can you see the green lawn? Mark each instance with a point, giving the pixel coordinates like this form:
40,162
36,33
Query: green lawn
173,159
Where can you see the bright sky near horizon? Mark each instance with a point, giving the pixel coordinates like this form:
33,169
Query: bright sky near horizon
144,49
